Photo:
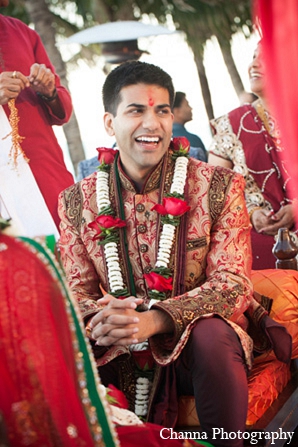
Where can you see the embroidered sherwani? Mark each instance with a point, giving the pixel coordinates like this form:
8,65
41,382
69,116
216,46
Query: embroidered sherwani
215,260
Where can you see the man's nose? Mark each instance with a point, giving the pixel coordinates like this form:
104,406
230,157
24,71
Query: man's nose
150,121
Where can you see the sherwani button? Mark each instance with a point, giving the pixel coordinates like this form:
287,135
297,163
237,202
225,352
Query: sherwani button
140,207
143,248
142,228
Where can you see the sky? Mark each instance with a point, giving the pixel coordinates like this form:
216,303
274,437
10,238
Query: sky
171,53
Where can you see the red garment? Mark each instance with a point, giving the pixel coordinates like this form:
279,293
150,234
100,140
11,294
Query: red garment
40,397
20,47
241,137
262,157
278,21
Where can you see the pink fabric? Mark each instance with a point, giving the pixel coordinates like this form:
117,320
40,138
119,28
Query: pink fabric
280,48
20,47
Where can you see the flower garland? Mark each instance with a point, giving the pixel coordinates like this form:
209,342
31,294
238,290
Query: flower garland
106,226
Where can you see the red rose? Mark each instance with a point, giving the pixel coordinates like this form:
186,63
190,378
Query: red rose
116,397
158,282
105,155
105,222
172,206
144,359
180,144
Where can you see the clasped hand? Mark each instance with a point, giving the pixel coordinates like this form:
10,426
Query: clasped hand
119,323
41,79
269,223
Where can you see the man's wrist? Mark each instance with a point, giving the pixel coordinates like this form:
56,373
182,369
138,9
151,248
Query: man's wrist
48,98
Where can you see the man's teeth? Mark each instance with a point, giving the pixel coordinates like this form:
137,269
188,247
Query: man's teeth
148,139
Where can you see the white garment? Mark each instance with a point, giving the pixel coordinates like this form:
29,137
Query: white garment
20,197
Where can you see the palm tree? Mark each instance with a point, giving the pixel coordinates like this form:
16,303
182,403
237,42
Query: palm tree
200,20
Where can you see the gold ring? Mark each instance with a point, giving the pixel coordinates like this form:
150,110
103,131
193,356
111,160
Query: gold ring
14,75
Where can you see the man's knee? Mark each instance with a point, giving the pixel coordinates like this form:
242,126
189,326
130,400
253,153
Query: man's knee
214,337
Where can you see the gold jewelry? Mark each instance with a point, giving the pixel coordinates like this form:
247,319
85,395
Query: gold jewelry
270,124
14,75
89,329
252,210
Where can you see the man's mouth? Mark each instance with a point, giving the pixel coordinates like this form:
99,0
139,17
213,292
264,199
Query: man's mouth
148,140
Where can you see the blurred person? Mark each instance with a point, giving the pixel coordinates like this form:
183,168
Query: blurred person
248,141
182,115
28,81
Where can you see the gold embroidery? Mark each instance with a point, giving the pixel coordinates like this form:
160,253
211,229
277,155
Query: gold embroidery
220,181
73,205
196,243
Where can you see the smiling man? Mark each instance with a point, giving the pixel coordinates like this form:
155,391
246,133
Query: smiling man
156,250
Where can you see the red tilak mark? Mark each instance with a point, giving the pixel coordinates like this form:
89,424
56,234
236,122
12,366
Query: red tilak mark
151,102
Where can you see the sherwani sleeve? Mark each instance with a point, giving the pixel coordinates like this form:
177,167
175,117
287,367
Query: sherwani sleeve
81,275
227,289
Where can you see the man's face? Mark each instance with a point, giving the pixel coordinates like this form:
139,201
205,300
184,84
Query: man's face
142,128
186,110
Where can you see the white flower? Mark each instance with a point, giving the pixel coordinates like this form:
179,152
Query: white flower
143,386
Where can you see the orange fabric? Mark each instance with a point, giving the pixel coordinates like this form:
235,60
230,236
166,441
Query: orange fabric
282,287
269,376
266,381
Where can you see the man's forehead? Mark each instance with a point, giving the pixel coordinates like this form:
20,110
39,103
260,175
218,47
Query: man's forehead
145,92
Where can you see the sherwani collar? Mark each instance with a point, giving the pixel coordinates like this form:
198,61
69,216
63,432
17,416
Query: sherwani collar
151,183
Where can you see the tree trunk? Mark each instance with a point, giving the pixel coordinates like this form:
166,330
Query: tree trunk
42,18
225,47
204,86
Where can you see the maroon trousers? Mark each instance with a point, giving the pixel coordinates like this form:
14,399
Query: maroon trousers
212,368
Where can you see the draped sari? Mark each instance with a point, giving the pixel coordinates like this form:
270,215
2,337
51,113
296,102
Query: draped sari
241,137
50,392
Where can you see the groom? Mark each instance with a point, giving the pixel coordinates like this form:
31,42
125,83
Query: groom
156,250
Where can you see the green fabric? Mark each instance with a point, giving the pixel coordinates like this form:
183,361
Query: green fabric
90,379
204,443
51,242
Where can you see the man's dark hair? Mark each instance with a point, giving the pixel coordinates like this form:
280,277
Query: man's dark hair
132,73
178,99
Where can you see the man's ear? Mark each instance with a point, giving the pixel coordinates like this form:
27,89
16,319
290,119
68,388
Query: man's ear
108,123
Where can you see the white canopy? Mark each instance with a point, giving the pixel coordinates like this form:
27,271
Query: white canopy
116,32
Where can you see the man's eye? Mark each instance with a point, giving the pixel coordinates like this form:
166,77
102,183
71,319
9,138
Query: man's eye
136,111
163,112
